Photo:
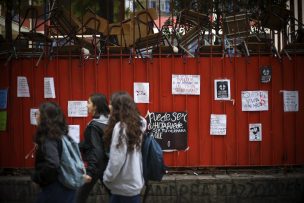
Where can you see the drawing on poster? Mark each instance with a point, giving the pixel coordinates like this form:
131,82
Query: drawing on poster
169,129
218,124
222,89
254,100
22,87
74,132
265,74
291,101
186,84
33,116
49,88
77,109
141,92
255,132
3,98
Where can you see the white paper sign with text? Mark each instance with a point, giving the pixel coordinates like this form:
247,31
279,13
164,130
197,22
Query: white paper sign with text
186,84
218,124
74,132
141,92
77,109
22,87
291,101
33,113
254,100
49,88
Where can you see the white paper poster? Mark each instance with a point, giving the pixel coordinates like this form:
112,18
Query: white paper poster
255,132
291,101
186,84
33,113
49,89
222,89
141,92
254,100
22,87
77,109
74,132
218,124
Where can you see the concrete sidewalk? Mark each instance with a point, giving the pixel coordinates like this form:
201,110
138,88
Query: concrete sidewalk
232,186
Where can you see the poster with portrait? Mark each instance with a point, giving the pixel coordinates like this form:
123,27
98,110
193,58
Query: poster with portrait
255,132
265,74
222,90
169,129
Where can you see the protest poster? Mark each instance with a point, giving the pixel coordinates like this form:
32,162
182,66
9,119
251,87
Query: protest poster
33,115
186,84
22,87
77,109
255,132
169,129
74,132
254,100
141,92
49,88
218,124
291,101
222,90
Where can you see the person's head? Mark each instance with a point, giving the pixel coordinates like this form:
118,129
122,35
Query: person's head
98,105
124,110
51,121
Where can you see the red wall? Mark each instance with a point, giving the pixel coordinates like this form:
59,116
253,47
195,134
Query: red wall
283,133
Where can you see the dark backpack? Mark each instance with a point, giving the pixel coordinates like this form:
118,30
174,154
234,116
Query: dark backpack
152,156
71,169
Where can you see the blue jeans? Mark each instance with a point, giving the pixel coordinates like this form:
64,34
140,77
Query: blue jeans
124,199
56,193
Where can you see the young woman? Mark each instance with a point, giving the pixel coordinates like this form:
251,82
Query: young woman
51,126
92,147
124,173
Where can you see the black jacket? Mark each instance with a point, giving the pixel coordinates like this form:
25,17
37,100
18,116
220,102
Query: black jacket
92,148
47,161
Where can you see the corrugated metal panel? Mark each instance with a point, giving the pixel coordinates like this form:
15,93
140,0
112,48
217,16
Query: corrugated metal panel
283,133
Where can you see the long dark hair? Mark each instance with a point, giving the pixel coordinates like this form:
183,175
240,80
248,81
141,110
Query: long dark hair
101,104
52,122
124,110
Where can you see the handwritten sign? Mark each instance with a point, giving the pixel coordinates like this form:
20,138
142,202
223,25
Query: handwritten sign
33,113
255,132
169,129
22,87
141,92
49,89
222,89
218,123
291,101
77,109
186,84
3,120
3,98
74,132
254,100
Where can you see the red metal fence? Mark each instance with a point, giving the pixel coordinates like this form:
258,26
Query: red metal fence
283,132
